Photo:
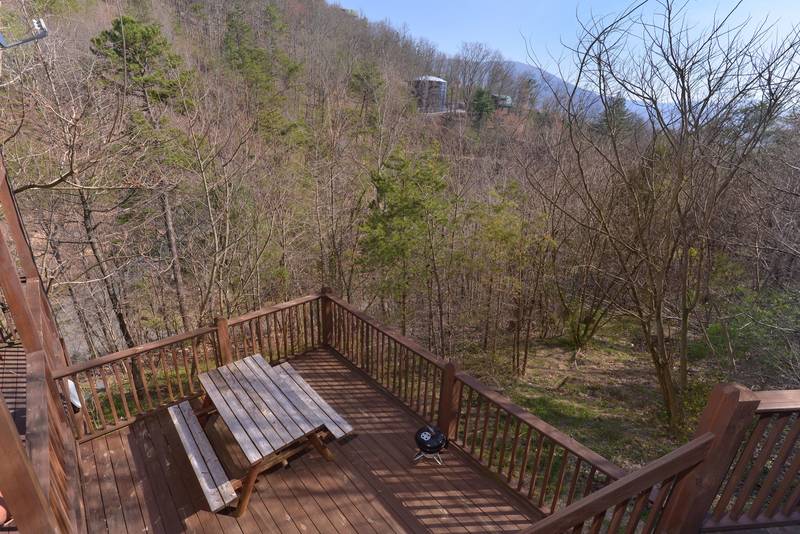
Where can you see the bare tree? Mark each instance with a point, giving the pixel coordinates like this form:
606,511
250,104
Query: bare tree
655,193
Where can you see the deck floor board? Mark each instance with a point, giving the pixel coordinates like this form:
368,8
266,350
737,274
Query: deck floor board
370,486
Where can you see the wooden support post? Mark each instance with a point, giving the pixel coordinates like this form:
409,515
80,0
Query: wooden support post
321,447
26,500
247,490
327,317
224,341
448,401
728,414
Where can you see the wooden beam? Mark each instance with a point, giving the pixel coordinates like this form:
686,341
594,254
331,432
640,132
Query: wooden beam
15,298
327,316
15,226
18,483
224,341
448,401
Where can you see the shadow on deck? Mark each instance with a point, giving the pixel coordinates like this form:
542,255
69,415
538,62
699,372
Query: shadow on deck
138,479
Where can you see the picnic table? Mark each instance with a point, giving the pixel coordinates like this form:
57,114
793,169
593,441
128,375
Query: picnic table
272,413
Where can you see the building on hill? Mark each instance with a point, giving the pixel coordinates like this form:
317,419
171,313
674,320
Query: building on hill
502,101
431,93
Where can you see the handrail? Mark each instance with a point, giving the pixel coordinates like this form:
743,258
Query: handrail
270,309
787,400
133,351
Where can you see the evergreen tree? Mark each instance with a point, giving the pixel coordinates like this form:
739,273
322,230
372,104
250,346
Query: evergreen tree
408,199
481,107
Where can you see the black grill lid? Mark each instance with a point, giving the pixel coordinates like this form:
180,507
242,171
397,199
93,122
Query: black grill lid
430,439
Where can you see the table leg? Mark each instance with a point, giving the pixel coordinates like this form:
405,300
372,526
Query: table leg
204,411
321,447
247,490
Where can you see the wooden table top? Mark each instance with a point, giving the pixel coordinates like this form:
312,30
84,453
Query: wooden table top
268,408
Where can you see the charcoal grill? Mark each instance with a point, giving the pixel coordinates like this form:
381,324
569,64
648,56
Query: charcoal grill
430,442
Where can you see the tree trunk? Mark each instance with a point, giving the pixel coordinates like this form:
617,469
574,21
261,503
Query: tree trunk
116,305
82,320
176,264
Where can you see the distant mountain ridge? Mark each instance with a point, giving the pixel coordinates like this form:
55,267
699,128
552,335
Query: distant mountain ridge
550,86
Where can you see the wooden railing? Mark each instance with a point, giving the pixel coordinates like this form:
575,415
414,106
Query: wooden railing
119,388
751,479
544,465
761,486
278,332
633,504
403,367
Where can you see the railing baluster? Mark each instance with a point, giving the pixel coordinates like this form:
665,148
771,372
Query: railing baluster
178,378
547,472
109,394
515,444
467,417
485,430
574,481
292,313
494,437
503,442
97,406
535,471
154,375
590,481
284,333
560,483
187,369
305,326
139,365
425,392
163,358
260,333
132,382
419,386
122,393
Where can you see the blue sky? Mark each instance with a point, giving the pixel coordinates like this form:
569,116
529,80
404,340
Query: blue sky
505,25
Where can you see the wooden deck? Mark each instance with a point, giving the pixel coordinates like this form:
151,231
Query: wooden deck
138,479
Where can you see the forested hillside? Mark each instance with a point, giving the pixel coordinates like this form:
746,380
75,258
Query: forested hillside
176,161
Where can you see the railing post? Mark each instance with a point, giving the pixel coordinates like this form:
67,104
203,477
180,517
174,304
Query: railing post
327,317
727,415
448,401
223,340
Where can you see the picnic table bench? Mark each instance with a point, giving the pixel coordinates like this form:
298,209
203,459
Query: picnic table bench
272,413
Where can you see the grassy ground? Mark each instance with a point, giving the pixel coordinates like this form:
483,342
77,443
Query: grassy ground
608,400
